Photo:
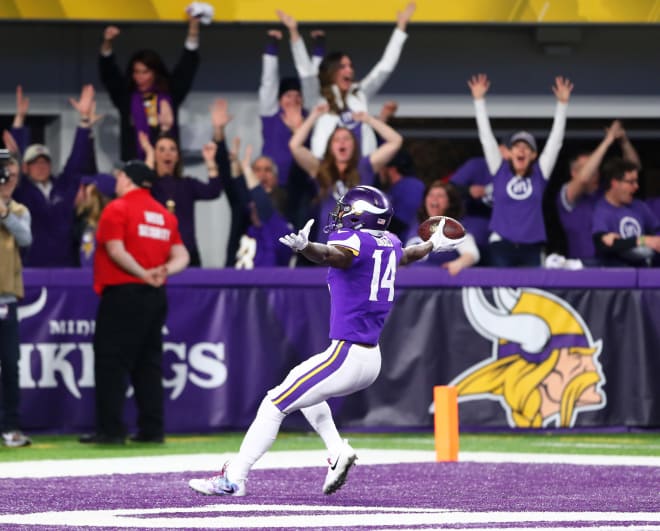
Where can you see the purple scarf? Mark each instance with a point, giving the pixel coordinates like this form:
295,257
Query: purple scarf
139,114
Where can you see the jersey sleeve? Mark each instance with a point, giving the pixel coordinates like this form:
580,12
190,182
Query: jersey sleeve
347,239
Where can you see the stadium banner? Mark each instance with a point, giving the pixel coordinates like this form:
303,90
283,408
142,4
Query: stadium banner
567,349
467,11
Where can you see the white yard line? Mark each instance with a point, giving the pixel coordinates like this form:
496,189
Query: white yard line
289,459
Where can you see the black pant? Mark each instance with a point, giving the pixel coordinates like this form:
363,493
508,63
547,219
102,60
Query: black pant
9,354
128,342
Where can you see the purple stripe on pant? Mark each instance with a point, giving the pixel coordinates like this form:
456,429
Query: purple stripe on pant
314,376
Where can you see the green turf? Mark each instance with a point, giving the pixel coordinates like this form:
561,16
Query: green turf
68,447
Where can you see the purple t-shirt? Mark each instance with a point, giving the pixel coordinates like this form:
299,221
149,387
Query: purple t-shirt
477,211
517,205
362,296
328,204
406,197
576,220
628,221
654,204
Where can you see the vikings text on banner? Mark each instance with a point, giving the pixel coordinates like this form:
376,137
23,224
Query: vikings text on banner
570,349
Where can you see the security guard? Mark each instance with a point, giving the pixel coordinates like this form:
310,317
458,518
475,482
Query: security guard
138,247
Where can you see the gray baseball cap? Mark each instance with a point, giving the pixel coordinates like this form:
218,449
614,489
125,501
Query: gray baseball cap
523,136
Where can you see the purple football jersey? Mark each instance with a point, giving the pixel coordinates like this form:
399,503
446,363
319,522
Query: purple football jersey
362,295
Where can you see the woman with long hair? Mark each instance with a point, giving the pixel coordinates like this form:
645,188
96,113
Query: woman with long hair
94,193
335,83
179,192
147,88
342,166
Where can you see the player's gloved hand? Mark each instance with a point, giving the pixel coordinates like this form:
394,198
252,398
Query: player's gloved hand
440,242
299,241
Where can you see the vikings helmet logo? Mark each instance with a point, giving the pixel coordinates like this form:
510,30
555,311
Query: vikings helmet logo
544,366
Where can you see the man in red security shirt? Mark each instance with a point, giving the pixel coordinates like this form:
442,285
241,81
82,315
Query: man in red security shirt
138,247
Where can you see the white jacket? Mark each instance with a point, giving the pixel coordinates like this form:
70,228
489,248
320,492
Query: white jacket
356,100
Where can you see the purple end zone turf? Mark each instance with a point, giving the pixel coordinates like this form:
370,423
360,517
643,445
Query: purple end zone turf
472,487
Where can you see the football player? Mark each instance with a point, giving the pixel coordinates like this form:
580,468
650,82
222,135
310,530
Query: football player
362,257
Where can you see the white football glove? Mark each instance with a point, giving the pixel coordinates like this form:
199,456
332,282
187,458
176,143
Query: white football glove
440,242
299,241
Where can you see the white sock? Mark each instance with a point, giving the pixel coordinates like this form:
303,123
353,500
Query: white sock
320,417
257,441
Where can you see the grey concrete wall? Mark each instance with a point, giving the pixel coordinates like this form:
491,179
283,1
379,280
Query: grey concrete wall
603,60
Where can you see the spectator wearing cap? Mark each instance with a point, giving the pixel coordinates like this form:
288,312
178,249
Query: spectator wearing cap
625,231
179,192
406,192
147,89
94,193
578,197
50,198
517,226
334,81
138,247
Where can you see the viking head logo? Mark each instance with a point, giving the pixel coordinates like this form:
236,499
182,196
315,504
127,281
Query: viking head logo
544,364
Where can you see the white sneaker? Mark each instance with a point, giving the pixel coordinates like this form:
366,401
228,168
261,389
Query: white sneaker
219,485
338,471
15,439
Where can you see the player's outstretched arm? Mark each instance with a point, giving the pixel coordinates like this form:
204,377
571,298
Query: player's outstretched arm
329,255
415,252
437,243
319,253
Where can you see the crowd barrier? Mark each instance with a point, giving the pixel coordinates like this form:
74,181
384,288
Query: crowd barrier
525,347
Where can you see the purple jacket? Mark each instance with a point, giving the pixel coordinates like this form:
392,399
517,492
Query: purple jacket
184,191
53,216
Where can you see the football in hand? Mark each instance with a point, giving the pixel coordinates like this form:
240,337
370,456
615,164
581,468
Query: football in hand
452,229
